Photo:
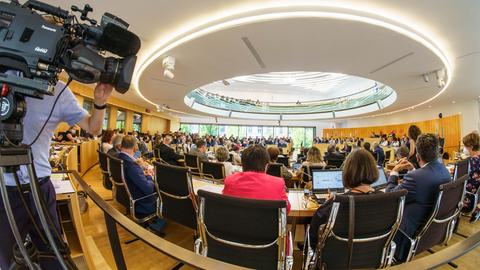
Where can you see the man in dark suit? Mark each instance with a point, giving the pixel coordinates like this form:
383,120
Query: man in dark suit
139,181
167,153
422,186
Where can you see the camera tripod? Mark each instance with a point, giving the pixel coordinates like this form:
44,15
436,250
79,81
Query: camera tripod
10,160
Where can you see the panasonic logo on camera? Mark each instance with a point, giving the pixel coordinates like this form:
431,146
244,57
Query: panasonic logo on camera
49,28
42,50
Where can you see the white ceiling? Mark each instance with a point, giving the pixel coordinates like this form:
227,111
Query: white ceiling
305,44
290,86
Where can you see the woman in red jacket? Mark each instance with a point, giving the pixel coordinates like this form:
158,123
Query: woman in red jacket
253,182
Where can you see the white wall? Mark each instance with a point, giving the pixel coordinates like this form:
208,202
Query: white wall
469,110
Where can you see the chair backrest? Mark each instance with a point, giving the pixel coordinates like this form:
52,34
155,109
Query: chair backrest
191,161
388,154
213,170
177,198
156,152
275,169
120,192
360,230
439,227
284,160
103,162
461,168
246,232
335,162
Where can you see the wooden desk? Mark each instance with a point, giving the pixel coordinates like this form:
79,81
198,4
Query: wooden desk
88,155
79,237
295,197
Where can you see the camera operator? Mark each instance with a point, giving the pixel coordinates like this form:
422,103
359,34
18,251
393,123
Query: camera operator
67,110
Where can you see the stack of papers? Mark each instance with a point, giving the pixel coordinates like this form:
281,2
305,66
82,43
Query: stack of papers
61,183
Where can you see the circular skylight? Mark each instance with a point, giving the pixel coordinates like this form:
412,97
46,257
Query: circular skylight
291,95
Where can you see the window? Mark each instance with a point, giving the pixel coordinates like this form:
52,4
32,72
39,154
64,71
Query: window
267,132
137,122
88,105
106,118
299,135
121,115
208,129
280,131
232,131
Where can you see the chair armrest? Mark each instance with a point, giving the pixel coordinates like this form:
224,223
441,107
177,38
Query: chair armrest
405,234
144,197
289,257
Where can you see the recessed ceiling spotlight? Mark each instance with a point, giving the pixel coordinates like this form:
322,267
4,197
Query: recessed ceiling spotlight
429,106
453,101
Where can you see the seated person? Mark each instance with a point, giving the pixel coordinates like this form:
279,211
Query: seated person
368,147
401,154
471,144
332,154
237,160
422,186
314,158
139,181
167,153
200,150
222,156
253,182
70,134
117,145
106,142
379,153
359,172
273,152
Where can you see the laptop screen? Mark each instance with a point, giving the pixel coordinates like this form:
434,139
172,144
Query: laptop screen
324,180
382,179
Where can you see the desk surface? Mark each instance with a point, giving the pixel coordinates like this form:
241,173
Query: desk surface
296,197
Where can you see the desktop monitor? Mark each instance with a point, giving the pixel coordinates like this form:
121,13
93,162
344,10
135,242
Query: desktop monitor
382,179
324,180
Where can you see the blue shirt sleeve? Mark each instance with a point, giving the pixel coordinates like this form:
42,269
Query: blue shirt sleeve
71,111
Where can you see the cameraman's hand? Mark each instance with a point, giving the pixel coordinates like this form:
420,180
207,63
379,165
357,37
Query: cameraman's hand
102,93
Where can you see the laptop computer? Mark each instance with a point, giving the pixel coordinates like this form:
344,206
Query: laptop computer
382,179
325,180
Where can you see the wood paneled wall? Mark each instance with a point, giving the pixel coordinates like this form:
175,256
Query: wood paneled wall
152,121
448,128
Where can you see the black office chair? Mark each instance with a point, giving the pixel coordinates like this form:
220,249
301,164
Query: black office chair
214,171
462,168
117,173
115,170
192,162
438,228
103,164
335,162
275,169
245,232
388,154
359,232
284,160
177,201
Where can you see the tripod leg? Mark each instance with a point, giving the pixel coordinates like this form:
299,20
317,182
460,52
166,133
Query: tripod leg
11,220
41,215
